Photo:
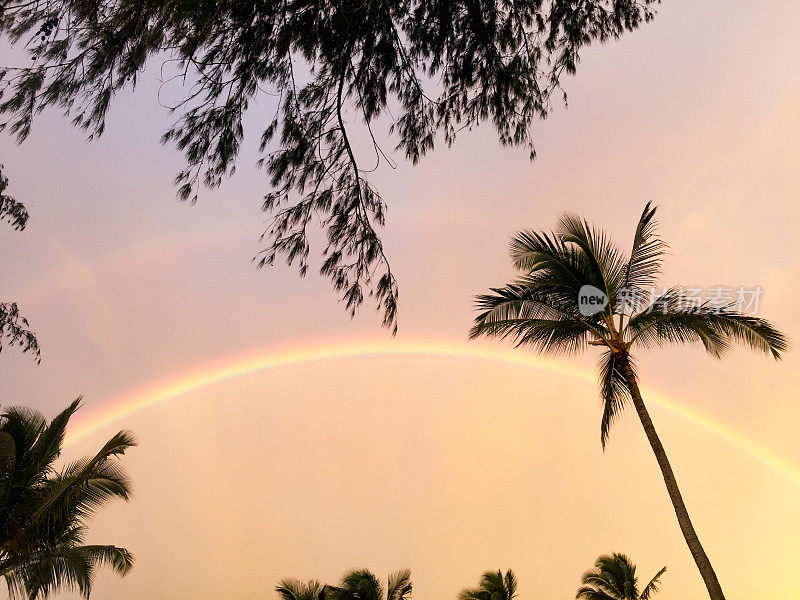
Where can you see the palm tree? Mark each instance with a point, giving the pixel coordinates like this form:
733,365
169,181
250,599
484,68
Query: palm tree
493,586
361,584
43,511
543,309
292,589
614,578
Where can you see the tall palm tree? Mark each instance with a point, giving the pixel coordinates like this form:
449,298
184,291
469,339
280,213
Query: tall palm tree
493,586
542,309
614,578
362,584
44,510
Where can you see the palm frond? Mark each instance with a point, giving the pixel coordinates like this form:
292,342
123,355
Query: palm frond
545,336
521,300
120,560
66,568
117,445
470,594
48,444
587,592
85,485
534,251
25,425
292,589
652,587
670,319
362,584
8,462
602,583
758,334
552,266
647,253
614,392
78,494
532,317
598,253
616,569
612,578
494,585
399,585
510,584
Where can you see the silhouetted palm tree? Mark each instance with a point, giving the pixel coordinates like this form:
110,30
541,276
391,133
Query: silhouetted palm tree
43,511
493,586
541,309
361,584
614,578
292,589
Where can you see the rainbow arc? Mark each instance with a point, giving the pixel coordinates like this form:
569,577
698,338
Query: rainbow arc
269,360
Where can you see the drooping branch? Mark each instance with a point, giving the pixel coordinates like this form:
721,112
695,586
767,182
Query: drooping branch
15,330
482,60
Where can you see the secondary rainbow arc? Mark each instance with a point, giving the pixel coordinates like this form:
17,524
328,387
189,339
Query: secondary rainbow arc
271,359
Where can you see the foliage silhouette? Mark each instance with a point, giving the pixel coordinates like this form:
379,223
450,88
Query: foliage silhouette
14,328
44,511
541,310
292,589
11,210
493,586
614,578
359,584
431,68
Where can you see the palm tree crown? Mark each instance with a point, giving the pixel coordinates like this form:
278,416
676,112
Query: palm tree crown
44,511
362,584
541,308
359,584
614,578
493,586
292,589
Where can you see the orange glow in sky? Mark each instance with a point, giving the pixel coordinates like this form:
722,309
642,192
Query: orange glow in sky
279,438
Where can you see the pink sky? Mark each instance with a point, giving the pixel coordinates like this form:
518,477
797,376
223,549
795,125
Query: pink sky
446,466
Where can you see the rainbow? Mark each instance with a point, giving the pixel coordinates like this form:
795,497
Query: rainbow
270,360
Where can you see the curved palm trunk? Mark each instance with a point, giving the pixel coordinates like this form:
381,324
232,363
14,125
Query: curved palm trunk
699,555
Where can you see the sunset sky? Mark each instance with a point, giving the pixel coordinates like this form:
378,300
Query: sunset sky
343,447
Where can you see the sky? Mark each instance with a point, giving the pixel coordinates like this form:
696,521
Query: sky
427,451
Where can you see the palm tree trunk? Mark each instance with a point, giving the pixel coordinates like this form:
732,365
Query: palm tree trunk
699,555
